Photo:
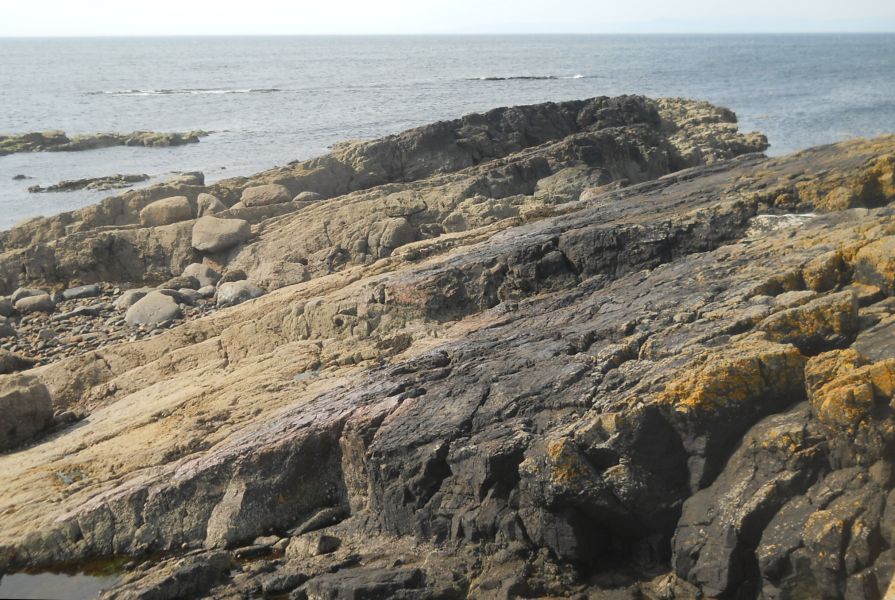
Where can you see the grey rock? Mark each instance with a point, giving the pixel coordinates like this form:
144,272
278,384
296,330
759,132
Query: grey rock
6,307
25,409
207,292
152,309
84,291
31,304
263,195
7,331
130,297
181,281
237,292
233,275
204,274
189,296
211,234
24,292
312,544
188,178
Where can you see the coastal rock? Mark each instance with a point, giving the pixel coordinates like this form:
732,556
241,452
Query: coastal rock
110,182
6,307
12,363
43,303
24,292
84,291
236,292
152,309
203,274
209,205
307,197
25,409
182,281
211,234
166,211
130,297
188,178
57,141
262,195
482,387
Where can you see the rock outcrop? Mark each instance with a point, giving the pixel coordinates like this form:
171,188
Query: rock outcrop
590,349
109,182
57,141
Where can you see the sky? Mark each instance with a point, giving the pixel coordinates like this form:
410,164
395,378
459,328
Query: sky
37,18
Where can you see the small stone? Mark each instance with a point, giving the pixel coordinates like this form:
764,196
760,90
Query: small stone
207,291
6,307
26,293
312,544
130,297
181,281
308,197
234,275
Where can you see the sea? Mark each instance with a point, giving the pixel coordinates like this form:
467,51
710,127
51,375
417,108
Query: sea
272,100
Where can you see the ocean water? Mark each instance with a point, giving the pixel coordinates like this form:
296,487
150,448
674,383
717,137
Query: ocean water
277,99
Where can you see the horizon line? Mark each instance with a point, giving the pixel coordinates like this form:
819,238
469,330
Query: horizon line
449,34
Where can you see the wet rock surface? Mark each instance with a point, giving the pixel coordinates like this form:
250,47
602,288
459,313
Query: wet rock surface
109,182
532,358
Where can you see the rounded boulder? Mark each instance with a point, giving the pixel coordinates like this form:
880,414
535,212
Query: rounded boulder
264,195
211,234
166,211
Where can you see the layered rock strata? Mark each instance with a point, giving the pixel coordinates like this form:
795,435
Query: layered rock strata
591,349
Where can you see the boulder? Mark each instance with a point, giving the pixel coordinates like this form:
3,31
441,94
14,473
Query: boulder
7,331
308,197
204,274
262,195
6,307
41,303
312,544
209,204
25,293
237,292
166,211
188,178
12,363
189,296
25,409
130,297
85,291
211,234
181,281
206,291
233,275
153,309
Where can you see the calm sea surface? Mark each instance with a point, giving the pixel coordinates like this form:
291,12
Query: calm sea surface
276,99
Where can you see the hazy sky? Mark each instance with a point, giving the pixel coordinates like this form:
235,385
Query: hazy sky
185,17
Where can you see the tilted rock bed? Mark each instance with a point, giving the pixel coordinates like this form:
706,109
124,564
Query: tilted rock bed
680,388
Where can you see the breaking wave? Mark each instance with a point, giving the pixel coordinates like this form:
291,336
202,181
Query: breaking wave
185,91
527,77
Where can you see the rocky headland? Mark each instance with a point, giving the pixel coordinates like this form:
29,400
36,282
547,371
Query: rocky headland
592,349
57,141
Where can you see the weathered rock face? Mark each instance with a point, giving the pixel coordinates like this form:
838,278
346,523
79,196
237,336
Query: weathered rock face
673,387
623,140
25,409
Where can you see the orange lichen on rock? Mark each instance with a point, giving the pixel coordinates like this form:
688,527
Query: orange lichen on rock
743,373
875,264
828,320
